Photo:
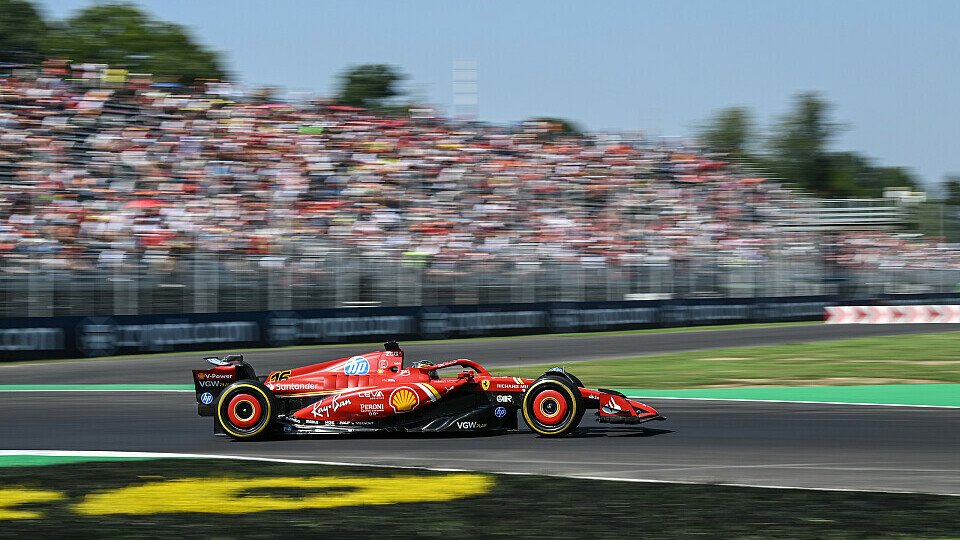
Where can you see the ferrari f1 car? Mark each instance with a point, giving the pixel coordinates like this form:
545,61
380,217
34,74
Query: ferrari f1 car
377,392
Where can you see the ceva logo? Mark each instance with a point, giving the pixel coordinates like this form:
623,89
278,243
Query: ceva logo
357,365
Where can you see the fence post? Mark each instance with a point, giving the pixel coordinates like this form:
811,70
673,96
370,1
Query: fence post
39,301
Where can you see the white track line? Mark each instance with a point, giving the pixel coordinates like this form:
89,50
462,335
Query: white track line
161,455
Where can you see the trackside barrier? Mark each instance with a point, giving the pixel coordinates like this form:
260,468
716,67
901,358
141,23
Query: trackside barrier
926,314
24,338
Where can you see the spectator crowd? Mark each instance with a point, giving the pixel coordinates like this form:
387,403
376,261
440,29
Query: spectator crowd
131,173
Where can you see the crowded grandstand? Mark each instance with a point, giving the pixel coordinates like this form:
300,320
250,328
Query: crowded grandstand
141,197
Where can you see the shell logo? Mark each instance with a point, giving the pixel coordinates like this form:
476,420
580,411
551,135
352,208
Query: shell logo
404,399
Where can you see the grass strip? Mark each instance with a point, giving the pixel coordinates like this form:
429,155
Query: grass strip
921,369
930,395
912,359
33,460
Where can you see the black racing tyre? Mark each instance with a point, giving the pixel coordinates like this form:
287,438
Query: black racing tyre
573,378
552,406
246,410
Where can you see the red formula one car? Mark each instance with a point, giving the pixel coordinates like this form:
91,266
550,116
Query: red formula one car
376,392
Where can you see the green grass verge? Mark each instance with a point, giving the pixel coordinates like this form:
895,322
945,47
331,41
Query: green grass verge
922,358
927,395
509,506
29,460
376,345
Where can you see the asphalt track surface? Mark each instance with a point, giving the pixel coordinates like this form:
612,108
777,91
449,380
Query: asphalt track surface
769,444
816,446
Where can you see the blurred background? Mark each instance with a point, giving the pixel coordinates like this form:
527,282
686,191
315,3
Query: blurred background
263,176
141,173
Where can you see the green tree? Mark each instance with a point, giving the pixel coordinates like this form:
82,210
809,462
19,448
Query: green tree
22,32
951,188
369,85
891,177
847,174
851,174
730,130
799,144
559,126
125,37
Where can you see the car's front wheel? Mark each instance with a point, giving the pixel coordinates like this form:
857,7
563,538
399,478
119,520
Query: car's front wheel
246,410
552,406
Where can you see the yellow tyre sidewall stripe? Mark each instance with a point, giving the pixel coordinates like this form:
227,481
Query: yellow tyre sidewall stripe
268,412
526,416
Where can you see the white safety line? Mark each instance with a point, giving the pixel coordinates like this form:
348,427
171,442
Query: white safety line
161,455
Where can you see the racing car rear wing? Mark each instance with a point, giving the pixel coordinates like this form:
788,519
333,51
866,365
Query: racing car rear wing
228,360
208,383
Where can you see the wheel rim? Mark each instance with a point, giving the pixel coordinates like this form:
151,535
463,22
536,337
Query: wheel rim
244,411
550,408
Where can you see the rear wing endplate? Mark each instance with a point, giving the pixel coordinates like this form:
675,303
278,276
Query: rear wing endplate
228,360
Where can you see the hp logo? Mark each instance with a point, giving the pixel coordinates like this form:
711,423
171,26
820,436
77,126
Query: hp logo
357,365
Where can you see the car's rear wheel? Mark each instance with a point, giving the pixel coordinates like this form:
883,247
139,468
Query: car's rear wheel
246,410
552,406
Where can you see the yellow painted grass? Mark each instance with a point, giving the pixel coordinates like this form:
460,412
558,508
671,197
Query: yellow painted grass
246,495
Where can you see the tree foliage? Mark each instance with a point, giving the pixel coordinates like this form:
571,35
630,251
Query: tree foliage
22,32
559,126
369,85
798,150
730,130
125,37
951,188
851,174
800,141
